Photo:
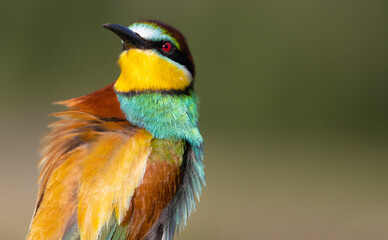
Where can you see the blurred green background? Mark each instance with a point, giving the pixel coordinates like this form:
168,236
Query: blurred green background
294,98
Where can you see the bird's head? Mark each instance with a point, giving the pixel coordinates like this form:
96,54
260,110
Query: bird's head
155,58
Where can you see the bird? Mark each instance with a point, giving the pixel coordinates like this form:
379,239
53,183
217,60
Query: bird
126,162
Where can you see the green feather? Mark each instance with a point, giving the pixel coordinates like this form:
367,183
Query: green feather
166,116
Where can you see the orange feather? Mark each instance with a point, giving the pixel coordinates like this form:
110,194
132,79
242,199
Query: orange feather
111,173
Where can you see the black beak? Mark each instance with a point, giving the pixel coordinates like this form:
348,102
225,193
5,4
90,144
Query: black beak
129,37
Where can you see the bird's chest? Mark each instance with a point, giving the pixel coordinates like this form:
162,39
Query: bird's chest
159,185
165,116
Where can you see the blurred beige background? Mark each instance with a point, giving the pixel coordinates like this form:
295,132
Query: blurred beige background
294,98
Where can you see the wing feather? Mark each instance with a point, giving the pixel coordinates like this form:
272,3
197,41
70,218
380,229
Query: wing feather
91,168
110,176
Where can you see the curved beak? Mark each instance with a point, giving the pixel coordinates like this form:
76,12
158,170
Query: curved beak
129,37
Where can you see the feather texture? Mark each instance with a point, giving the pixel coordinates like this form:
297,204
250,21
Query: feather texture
90,166
174,217
91,179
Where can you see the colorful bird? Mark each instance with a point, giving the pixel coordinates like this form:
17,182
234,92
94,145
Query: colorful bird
126,161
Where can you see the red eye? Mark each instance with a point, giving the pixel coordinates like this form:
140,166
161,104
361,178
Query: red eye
166,47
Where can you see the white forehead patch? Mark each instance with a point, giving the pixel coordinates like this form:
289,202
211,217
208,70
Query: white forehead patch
146,31
151,32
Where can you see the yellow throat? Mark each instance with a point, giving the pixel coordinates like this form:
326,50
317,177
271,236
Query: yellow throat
146,70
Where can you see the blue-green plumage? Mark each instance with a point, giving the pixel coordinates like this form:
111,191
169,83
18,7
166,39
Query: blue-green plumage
165,116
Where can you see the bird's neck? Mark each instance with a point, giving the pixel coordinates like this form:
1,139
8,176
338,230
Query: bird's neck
165,115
